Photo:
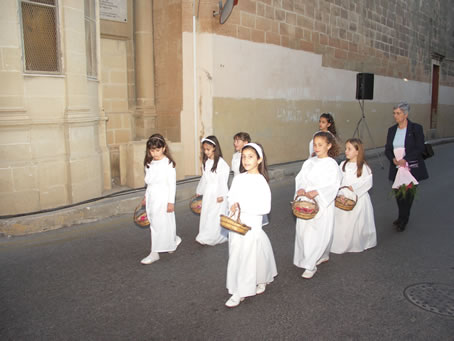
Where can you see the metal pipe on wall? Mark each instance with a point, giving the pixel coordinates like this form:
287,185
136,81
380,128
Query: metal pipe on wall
194,57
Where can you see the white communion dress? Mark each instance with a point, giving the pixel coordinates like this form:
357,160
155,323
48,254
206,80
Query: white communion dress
311,148
251,257
313,237
354,231
213,185
236,161
160,177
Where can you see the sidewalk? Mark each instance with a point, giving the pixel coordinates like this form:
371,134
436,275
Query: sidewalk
124,202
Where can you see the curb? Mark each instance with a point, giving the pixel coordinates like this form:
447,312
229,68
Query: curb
126,203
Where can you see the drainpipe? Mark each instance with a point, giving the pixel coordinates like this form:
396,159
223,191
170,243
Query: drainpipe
194,58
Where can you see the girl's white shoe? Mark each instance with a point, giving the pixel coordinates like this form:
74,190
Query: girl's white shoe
177,242
234,301
322,260
260,288
309,273
152,257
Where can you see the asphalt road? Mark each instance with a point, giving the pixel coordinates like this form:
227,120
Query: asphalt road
86,282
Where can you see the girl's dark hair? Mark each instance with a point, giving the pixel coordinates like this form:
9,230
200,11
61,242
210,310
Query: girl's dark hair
217,152
360,161
330,139
242,136
332,125
263,167
157,141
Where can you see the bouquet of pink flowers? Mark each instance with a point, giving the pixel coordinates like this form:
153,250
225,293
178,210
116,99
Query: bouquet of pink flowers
404,183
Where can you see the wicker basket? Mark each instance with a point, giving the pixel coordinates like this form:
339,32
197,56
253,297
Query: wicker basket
196,204
344,203
140,216
234,225
304,209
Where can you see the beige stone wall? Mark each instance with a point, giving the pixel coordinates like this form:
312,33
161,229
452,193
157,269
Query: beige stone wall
285,137
279,104
168,66
118,86
390,38
120,124
51,153
276,65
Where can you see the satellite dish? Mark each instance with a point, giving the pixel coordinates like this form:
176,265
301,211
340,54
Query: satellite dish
225,10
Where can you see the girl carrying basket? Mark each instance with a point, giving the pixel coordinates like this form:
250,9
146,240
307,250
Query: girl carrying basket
213,187
319,179
239,141
251,263
160,177
354,231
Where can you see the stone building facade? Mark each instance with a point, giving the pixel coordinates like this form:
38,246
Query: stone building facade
53,147
74,132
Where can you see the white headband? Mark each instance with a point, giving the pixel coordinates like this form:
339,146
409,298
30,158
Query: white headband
321,131
157,137
208,140
256,147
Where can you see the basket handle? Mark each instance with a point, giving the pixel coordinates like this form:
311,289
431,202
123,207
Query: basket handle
348,187
239,213
299,196
135,210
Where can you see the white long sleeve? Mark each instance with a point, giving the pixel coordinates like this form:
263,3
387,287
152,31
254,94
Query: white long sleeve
202,183
223,171
360,185
172,182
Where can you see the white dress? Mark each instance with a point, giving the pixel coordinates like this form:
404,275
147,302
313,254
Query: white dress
160,178
354,231
251,258
213,185
236,161
313,237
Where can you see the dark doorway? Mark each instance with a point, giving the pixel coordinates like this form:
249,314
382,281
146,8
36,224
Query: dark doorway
434,105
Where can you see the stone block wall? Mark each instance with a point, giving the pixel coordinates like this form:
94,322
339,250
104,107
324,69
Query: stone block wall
389,38
115,89
168,66
51,153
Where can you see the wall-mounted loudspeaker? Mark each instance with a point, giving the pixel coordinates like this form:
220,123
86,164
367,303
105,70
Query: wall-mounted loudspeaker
225,10
365,86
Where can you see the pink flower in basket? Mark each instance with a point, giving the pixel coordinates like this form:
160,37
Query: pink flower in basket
305,209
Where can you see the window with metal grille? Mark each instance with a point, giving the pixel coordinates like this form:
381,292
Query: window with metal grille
90,37
39,29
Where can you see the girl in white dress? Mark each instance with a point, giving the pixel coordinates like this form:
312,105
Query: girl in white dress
213,187
325,123
319,179
239,140
251,263
160,177
354,231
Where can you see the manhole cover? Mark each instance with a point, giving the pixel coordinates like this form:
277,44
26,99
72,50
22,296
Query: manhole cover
434,297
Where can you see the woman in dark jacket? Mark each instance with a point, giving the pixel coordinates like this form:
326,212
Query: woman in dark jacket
409,135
